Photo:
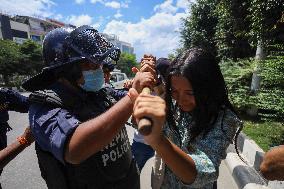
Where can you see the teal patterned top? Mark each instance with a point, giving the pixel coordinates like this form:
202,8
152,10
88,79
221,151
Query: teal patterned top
207,152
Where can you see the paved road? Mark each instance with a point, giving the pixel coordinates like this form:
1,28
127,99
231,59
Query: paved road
23,171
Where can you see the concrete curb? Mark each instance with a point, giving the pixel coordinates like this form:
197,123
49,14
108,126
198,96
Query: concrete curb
250,150
248,176
243,174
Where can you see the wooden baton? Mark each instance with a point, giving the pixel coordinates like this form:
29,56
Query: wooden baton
145,124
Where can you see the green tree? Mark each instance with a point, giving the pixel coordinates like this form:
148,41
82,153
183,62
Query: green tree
171,56
126,62
199,27
31,60
9,59
276,47
175,53
232,39
264,16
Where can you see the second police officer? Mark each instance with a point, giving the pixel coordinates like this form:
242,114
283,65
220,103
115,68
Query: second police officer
10,100
81,140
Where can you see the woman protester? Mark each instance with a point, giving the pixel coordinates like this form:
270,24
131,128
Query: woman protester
194,125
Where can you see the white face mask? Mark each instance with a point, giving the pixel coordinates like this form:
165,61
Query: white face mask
94,80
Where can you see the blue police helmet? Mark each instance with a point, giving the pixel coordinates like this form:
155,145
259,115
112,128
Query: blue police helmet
55,50
64,46
88,43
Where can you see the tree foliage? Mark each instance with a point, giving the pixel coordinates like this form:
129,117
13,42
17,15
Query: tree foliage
31,60
264,15
17,60
232,40
199,26
231,28
9,59
126,62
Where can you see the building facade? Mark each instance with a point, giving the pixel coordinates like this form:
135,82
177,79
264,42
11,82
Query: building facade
123,46
21,28
12,30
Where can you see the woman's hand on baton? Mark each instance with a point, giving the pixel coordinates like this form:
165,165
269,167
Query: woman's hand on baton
154,108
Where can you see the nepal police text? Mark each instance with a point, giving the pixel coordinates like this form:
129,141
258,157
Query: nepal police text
117,148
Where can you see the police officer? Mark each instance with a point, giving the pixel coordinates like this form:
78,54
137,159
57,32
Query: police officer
9,101
81,141
117,94
107,68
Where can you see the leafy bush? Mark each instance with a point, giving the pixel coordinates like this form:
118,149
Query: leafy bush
238,77
270,98
265,134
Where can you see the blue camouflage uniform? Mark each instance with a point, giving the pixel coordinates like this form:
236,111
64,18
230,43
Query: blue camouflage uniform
52,125
10,101
117,94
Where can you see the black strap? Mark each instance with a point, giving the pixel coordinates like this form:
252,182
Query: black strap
45,97
215,185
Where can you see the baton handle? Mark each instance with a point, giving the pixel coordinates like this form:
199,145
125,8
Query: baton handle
145,124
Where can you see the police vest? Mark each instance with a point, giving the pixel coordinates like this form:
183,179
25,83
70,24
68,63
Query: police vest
108,165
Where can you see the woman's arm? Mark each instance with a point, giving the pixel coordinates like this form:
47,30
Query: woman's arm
198,167
177,160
